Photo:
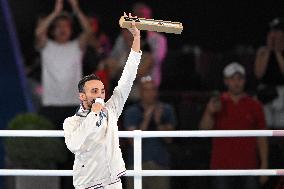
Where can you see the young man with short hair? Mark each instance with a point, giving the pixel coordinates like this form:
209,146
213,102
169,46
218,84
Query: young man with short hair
92,134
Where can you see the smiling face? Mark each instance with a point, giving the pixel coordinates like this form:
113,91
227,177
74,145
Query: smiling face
92,89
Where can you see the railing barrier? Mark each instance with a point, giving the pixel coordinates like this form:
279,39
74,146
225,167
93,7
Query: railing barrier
138,173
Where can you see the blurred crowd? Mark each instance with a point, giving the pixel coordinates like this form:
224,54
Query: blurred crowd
189,88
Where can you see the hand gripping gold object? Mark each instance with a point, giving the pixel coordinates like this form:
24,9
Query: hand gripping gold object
152,25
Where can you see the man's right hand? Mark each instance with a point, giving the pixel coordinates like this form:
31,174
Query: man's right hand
97,107
214,105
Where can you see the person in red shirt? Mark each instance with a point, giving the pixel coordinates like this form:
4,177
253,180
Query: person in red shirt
235,110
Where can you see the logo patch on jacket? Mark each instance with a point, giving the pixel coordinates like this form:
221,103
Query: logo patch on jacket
102,115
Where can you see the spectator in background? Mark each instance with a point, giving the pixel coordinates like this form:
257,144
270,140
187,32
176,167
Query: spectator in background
98,47
156,41
61,61
235,110
150,115
145,68
269,70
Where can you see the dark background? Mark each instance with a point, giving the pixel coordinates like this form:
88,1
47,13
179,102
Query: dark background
215,25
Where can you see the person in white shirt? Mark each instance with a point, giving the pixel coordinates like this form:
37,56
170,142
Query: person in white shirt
92,134
61,59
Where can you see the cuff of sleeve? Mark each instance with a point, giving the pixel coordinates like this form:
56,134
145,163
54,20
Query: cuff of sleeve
136,53
136,56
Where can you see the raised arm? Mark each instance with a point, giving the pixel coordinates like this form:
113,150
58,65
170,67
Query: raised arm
208,119
207,122
136,36
44,23
280,60
84,22
261,62
121,92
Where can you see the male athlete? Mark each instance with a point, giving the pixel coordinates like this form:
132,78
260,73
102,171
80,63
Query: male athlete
92,134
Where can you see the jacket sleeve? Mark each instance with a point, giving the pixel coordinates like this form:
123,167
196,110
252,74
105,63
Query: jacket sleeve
76,132
122,90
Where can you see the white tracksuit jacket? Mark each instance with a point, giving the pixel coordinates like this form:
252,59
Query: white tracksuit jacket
98,159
